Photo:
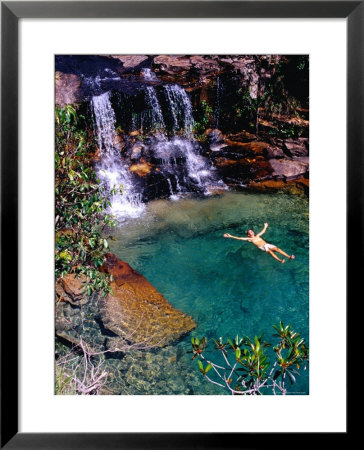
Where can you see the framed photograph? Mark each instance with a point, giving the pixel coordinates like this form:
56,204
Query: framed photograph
139,164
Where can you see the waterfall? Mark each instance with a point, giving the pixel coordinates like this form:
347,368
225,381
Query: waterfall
152,100
180,108
165,123
193,172
110,169
181,162
217,104
149,75
181,159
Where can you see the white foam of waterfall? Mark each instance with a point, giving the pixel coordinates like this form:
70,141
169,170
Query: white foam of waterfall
199,171
110,169
152,100
180,107
149,75
217,107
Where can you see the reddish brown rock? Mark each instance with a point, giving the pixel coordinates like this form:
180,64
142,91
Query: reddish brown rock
70,289
299,186
141,169
95,157
184,65
289,168
136,311
172,64
249,148
130,61
296,147
225,162
242,136
204,65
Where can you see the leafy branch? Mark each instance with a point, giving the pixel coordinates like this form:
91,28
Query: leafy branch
246,369
80,203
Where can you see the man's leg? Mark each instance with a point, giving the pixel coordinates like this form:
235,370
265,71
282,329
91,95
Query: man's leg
275,256
282,253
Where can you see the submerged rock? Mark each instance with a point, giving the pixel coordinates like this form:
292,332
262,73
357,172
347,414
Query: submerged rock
137,311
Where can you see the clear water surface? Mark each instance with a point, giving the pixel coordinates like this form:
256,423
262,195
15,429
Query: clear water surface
227,286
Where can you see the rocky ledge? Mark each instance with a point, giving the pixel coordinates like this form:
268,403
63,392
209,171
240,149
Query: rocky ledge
135,313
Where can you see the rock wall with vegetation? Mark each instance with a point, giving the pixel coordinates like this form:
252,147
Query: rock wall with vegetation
251,113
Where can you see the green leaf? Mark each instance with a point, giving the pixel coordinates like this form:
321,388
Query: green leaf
231,343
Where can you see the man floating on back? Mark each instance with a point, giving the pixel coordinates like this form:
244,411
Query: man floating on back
261,244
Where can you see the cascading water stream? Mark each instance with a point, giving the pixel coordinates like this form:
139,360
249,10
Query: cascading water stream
110,169
165,132
217,107
199,172
149,75
152,100
180,108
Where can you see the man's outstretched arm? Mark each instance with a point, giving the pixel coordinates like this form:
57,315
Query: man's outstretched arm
227,235
264,229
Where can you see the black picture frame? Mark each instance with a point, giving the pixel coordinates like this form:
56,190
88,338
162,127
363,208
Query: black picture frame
11,12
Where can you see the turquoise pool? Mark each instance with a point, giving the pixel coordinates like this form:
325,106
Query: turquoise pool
227,286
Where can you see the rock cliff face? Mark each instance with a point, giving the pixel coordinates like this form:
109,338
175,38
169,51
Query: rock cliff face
248,115
136,313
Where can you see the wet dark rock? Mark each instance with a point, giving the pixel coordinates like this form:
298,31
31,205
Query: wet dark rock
89,66
73,321
242,136
137,151
216,140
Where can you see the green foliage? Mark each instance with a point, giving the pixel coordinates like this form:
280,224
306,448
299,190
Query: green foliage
247,368
80,203
203,115
276,99
63,383
246,107
302,62
285,131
